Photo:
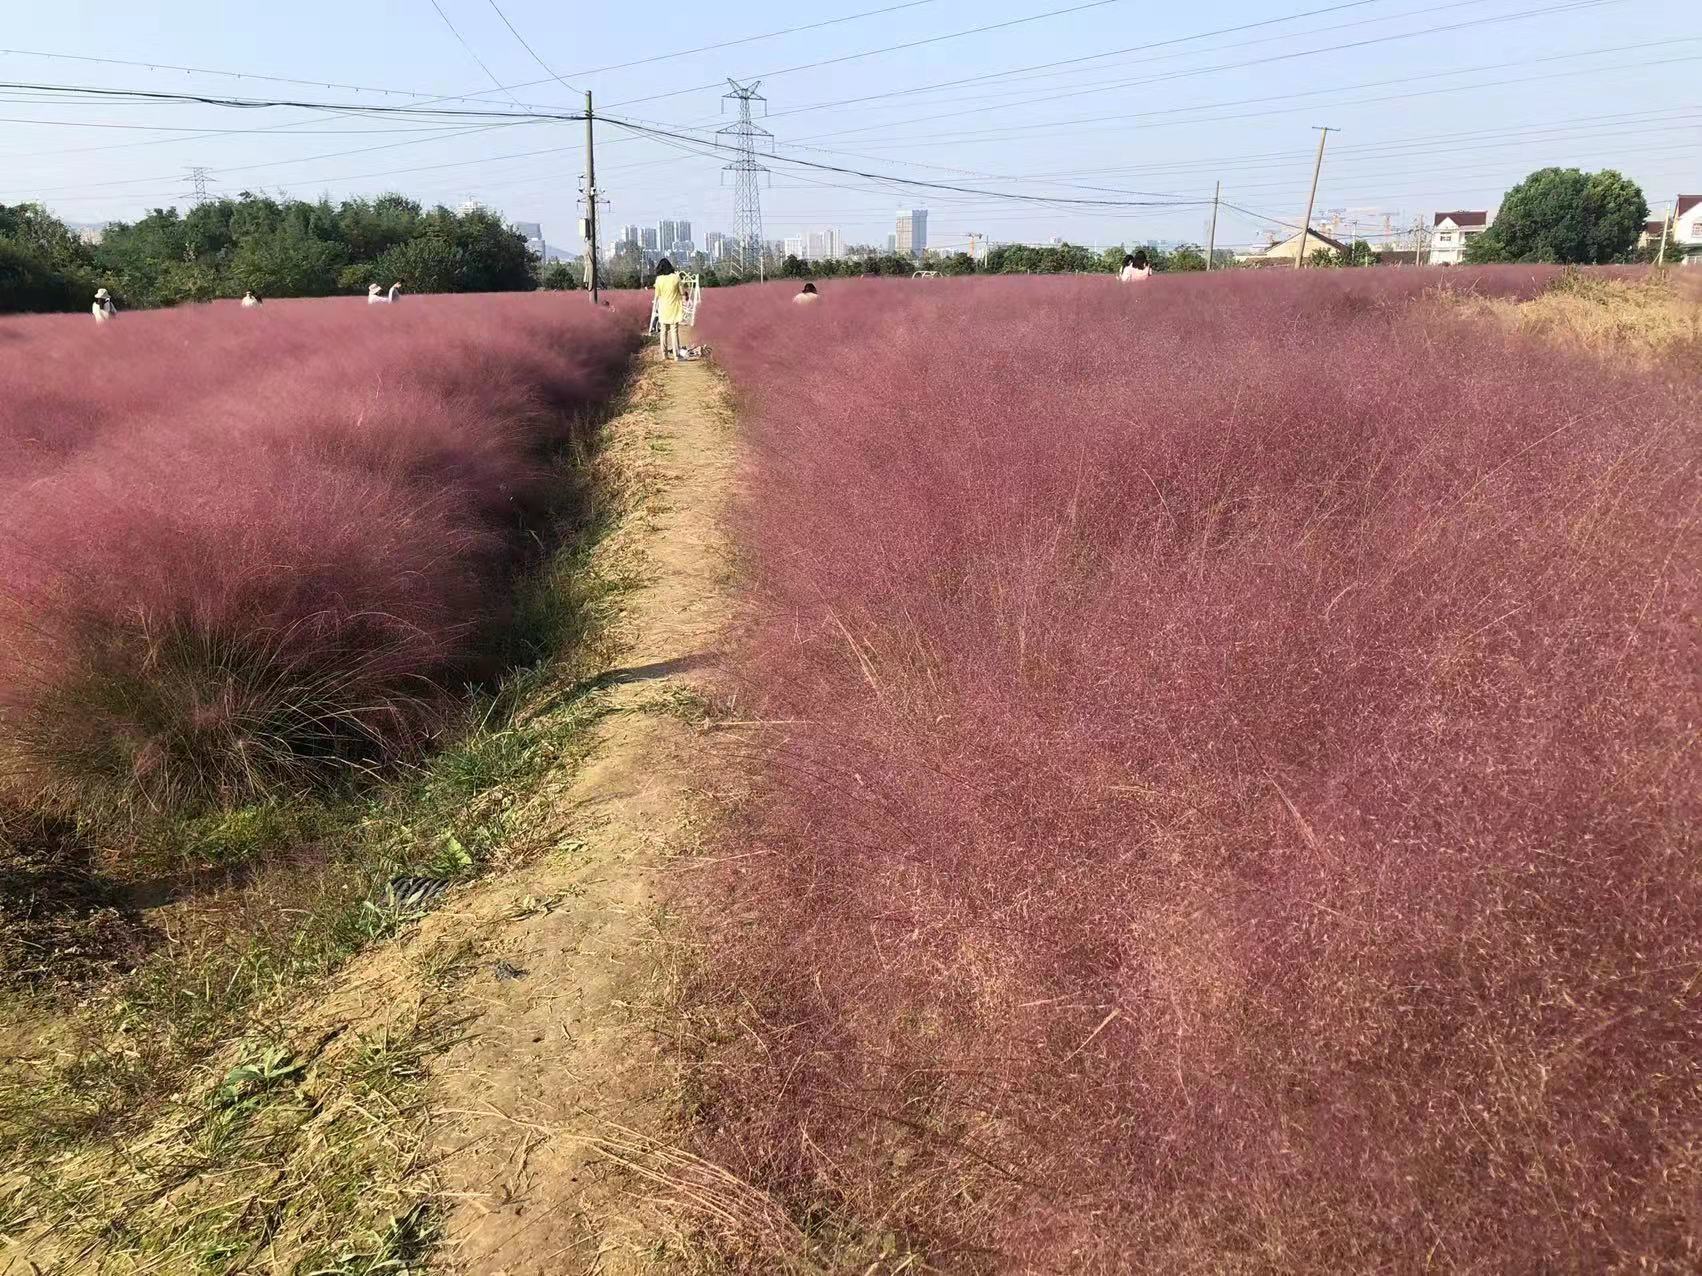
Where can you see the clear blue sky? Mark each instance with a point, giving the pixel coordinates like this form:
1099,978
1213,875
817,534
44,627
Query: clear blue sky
1440,106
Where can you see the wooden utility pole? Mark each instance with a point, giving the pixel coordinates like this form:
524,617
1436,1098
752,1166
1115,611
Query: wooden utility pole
1666,221
590,204
1417,240
1306,222
1211,237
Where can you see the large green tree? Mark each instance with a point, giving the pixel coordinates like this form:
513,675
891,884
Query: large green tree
1565,215
44,266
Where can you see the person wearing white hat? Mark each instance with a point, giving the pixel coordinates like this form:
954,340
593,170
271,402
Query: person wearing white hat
103,309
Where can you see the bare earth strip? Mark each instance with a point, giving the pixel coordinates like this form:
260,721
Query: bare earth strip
555,1058
558,1057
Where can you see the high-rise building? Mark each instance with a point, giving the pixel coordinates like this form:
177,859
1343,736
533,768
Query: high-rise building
534,234
648,237
682,231
667,233
912,236
794,247
823,245
629,234
892,243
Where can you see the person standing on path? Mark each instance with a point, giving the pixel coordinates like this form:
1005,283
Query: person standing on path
670,307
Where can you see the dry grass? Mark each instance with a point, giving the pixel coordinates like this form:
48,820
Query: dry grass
1647,320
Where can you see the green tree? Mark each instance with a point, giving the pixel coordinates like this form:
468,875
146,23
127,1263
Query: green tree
1565,215
29,283
44,266
558,276
429,264
1186,257
288,261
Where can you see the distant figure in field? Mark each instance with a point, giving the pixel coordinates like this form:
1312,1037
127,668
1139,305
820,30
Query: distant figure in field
670,308
808,297
249,300
103,309
374,297
1135,267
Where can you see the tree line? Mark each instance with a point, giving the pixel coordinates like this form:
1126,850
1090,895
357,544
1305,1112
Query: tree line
294,248
274,247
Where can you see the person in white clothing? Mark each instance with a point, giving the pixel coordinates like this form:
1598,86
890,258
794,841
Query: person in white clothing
103,309
249,300
808,297
1135,267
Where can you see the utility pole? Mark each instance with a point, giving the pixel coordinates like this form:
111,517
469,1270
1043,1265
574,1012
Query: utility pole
747,198
1417,240
1211,236
1666,221
1318,167
198,183
590,222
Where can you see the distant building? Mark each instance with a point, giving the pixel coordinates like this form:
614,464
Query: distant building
647,238
822,245
534,234
892,243
1684,231
1284,251
682,231
629,235
1450,232
793,247
912,237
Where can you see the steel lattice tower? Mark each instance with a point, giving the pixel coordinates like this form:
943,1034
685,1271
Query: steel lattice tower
198,180
747,200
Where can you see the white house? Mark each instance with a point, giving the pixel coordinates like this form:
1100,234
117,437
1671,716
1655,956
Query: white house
1450,233
1684,239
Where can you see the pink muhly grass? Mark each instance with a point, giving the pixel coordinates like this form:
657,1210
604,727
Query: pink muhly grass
1239,804
251,549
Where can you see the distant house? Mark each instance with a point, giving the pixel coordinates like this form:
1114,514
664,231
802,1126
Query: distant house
1286,250
1449,234
1684,239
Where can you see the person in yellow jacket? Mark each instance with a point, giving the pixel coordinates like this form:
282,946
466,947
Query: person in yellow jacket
670,307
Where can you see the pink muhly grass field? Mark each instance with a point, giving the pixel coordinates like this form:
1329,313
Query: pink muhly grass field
246,548
1234,803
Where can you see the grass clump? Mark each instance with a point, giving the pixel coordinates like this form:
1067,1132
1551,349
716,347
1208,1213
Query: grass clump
1231,796
227,589
1649,319
169,1109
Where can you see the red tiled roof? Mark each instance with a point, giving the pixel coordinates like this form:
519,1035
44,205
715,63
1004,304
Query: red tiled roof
1464,219
1685,204
1654,228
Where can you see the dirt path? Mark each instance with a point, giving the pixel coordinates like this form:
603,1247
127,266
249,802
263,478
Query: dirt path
559,1056
555,1057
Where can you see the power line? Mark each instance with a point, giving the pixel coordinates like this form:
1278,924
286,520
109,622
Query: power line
470,53
529,49
201,70
891,48
1192,72
1076,124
